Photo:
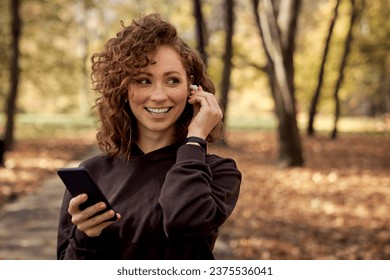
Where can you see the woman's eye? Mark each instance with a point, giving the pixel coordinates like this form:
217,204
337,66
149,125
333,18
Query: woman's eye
142,81
173,81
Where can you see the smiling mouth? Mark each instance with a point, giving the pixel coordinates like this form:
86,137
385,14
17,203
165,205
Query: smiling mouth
158,111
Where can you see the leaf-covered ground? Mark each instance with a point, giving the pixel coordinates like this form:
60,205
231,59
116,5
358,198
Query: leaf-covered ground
31,161
336,207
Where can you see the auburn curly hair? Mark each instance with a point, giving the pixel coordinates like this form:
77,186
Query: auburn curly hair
114,68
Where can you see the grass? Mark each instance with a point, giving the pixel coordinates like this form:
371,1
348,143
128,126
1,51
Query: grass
323,123
32,126
261,122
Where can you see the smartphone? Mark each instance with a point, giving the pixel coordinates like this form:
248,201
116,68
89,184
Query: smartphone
78,180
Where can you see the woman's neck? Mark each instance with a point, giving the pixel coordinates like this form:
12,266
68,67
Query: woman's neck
150,143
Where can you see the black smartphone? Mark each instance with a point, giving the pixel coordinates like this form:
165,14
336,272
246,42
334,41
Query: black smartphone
78,180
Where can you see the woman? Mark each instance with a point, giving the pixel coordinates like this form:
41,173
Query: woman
169,194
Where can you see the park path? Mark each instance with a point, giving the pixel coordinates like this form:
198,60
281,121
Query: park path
28,226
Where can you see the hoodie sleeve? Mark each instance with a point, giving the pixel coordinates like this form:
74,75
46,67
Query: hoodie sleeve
198,195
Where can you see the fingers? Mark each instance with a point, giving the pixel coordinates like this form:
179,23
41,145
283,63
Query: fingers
199,95
85,220
207,113
74,204
207,102
95,225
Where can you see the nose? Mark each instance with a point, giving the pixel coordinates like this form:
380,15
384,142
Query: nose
158,94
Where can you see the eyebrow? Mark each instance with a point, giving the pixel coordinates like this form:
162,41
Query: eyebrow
165,74
172,72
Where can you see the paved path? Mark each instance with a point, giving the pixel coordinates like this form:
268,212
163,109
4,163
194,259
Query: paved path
28,226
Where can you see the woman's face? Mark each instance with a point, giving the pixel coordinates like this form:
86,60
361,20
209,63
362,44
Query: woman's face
158,94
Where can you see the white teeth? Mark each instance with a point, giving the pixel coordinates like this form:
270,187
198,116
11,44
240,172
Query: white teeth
158,111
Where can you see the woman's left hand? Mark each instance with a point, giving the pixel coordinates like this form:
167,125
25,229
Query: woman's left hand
207,113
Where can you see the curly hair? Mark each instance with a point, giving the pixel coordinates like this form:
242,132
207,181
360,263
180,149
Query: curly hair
115,66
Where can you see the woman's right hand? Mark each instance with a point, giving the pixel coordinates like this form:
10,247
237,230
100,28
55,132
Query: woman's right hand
207,113
85,220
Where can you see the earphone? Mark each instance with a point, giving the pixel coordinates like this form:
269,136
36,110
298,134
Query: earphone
194,87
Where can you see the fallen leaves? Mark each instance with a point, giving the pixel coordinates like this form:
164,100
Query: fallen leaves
335,207
32,161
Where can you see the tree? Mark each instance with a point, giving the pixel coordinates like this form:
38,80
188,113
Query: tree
347,48
371,42
84,42
14,75
201,31
227,57
4,49
277,23
317,92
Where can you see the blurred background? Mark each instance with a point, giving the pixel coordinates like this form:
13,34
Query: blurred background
304,86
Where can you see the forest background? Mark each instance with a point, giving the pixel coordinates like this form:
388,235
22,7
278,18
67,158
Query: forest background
54,122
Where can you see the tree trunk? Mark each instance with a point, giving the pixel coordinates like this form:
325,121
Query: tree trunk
316,95
14,76
347,49
201,32
269,67
277,29
227,58
84,106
